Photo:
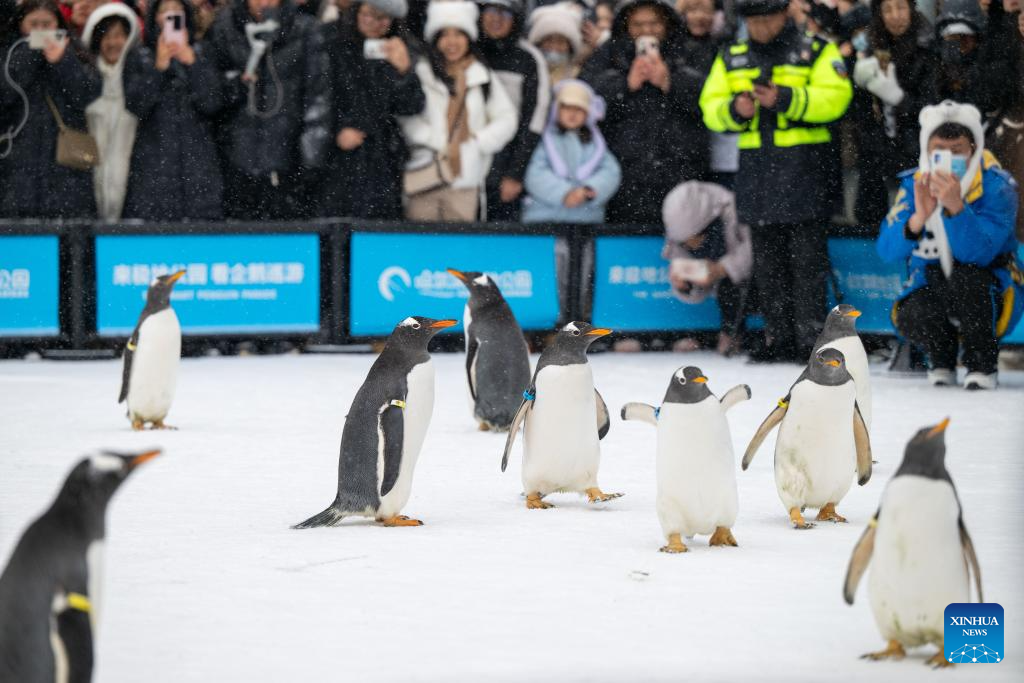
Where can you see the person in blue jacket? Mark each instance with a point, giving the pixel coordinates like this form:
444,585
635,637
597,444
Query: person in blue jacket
572,173
955,231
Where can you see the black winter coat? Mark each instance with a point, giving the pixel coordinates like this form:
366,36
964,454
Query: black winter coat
366,94
658,138
32,184
289,130
175,173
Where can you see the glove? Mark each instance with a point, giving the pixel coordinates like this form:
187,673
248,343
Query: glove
885,87
866,69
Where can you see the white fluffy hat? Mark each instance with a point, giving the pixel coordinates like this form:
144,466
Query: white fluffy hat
563,19
442,14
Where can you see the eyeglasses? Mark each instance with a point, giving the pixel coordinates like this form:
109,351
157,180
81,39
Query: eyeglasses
502,12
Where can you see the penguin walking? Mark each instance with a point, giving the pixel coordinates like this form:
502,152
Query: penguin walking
920,553
385,428
563,418
50,589
817,451
151,358
840,332
497,357
696,464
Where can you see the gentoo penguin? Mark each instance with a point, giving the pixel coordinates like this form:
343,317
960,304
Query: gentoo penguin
385,429
822,440
151,358
563,418
919,550
497,358
50,590
696,464
840,332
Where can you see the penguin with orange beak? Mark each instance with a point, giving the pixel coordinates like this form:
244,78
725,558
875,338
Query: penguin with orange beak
385,429
151,358
563,419
840,332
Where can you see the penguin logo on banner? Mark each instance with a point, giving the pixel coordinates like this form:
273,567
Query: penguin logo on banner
386,282
974,633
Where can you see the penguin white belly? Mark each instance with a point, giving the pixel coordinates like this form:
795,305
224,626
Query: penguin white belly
561,450
419,406
94,562
815,454
917,567
467,320
856,357
154,373
695,469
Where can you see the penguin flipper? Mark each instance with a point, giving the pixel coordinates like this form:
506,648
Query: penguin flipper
863,444
472,346
970,557
641,412
770,423
392,430
859,560
517,421
604,421
129,352
738,394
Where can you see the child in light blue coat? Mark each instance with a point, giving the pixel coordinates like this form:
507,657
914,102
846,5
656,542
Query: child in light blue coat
572,173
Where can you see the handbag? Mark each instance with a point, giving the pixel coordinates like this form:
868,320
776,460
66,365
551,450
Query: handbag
75,149
434,175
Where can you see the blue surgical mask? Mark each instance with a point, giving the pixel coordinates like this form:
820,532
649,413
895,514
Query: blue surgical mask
860,42
958,165
554,58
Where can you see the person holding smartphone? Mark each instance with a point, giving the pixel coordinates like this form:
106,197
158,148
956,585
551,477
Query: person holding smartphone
372,82
953,225
32,183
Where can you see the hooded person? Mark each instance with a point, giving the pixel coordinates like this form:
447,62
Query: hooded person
369,89
521,69
572,173
953,225
111,31
173,88
557,31
468,118
653,124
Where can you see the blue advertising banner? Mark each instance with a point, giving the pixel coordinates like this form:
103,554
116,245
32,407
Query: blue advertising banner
233,283
395,275
29,286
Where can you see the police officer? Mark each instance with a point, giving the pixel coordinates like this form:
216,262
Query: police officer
779,90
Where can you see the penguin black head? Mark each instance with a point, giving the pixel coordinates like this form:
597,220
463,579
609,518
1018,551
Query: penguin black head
829,368
688,385
571,343
95,479
841,322
415,332
159,295
926,453
482,288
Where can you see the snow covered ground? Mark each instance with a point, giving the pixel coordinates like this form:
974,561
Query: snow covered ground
206,582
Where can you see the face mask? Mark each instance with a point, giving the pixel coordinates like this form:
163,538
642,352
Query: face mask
860,42
554,58
958,165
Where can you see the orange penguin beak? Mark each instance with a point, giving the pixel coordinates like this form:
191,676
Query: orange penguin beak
599,332
177,276
440,324
939,428
833,363
700,380
144,457
853,314
457,274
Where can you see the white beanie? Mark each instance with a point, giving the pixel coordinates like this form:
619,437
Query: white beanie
460,14
563,19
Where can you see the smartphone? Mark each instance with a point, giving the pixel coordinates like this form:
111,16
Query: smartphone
647,45
942,160
39,38
374,48
174,28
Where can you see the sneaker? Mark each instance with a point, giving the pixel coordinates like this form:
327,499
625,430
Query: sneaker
977,381
942,377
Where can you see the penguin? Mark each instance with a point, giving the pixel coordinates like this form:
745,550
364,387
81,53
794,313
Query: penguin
151,358
563,419
497,357
50,590
696,464
384,430
920,553
817,451
840,332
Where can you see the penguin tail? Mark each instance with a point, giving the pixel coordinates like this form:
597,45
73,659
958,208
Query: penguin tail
332,516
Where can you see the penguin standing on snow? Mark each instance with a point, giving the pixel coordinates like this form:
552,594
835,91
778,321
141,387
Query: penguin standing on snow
840,332
920,552
822,440
696,465
385,429
563,418
497,358
151,358
50,590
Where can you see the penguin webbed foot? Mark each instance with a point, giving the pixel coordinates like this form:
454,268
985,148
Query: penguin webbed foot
828,514
675,545
596,495
798,519
723,537
535,501
159,424
400,520
894,650
138,425
938,661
